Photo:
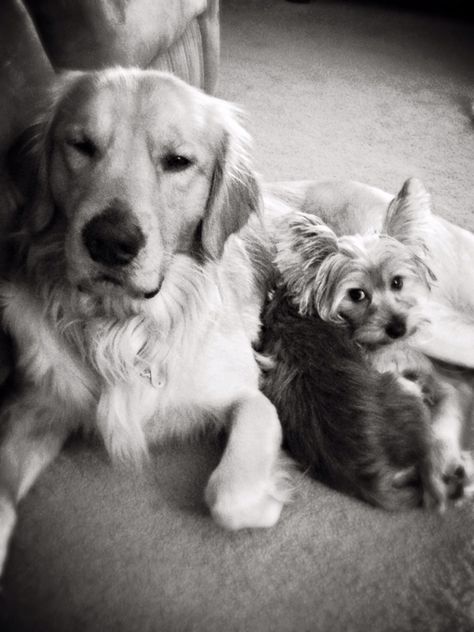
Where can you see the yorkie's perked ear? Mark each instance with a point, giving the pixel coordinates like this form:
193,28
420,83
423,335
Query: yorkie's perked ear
29,156
409,221
408,218
304,246
235,193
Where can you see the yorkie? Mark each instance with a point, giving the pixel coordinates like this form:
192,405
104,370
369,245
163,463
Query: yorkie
375,286
348,425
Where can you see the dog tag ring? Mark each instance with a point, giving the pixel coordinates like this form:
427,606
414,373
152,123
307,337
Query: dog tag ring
150,376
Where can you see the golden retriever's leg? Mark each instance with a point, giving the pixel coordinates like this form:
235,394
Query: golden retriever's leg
246,488
29,443
448,421
448,336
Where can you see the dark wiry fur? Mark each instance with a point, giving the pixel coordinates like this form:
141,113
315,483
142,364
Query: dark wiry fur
350,426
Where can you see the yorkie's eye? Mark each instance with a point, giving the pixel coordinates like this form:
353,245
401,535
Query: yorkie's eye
357,295
397,283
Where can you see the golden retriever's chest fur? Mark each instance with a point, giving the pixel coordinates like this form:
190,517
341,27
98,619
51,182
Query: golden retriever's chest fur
43,360
143,378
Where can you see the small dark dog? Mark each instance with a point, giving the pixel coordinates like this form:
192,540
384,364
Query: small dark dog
377,285
354,428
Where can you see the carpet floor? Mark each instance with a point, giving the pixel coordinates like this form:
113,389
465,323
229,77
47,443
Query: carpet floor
365,92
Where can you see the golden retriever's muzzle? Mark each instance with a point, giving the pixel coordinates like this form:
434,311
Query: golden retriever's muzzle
113,238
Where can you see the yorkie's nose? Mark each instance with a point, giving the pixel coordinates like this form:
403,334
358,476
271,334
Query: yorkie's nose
396,328
113,237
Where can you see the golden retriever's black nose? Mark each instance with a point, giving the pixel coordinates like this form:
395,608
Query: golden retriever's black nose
396,328
113,238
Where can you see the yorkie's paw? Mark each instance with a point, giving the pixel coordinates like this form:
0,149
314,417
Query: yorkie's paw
465,474
236,507
458,475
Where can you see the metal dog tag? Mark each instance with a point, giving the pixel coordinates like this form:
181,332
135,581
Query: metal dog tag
154,380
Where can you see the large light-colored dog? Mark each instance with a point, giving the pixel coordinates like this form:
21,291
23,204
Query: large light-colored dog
131,300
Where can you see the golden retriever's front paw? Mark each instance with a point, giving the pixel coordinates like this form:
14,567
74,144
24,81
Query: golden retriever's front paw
240,508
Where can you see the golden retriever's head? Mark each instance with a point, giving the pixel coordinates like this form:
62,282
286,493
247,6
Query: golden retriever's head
135,168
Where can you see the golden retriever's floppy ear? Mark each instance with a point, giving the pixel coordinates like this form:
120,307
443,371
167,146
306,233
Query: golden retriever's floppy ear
408,218
303,244
234,193
28,158
26,163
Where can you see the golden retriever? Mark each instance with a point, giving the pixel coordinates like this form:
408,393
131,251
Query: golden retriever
132,301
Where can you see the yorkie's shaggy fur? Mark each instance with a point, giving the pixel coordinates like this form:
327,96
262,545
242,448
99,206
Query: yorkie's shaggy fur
358,404
353,428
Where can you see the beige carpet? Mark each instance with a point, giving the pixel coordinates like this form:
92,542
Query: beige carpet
342,89
332,90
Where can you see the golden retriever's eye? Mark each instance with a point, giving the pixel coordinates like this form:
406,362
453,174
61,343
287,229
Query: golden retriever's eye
357,295
83,146
397,283
176,162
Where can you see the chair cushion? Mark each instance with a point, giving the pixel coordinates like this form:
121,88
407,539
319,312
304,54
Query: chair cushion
89,34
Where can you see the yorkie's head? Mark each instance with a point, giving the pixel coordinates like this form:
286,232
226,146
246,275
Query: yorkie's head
373,283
